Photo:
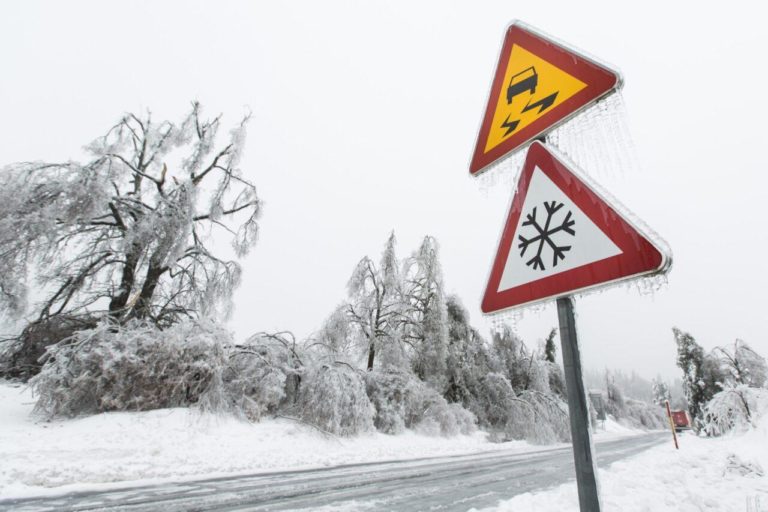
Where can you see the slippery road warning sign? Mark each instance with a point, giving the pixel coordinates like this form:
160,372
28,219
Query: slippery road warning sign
562,237
538,84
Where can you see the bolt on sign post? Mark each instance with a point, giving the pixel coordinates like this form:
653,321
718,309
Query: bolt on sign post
539,84
562,237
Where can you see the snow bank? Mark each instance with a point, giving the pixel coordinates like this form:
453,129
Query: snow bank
712,474
177,444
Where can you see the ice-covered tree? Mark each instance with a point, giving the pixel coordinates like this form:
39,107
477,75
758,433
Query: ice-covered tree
468,360
333,397
615,402
336,337
521,366
734,408
661,392
508,347
742,365
550,349
424,313
691,360
129,231
137,367
537,374
375,303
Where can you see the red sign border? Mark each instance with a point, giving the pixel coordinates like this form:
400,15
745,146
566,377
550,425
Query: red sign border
640,256
601,79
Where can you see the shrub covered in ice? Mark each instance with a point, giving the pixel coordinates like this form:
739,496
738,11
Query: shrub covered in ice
403,401
549,418
135,367
140,367
531,415
20,357
734,408
645,415
495,404
556,380
742,365
389,391
333,398
261,374
428,412
444,419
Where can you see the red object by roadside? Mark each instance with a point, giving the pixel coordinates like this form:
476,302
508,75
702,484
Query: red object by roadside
681,420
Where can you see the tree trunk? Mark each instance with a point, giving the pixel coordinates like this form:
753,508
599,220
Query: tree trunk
371,355
118,302
156,269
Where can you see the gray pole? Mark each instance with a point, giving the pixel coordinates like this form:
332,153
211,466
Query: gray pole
583,453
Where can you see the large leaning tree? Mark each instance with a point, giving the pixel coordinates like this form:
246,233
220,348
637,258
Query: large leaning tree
130,233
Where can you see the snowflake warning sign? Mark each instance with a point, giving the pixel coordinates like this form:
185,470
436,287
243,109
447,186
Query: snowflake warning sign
562,237
538,84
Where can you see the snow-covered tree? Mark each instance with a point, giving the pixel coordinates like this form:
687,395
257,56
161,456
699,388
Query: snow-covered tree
511,354
129,231
525,369
427,368
264,372
735,407
374,310
742,365
468,357
333,397
115,367
615,403
424,315
691,359
550,349
661,392
390,391
337,336
557,380
538,374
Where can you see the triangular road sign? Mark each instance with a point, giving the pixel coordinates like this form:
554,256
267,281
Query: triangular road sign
539,84
562,237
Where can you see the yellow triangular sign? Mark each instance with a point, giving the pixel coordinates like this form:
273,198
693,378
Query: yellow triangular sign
533,87
538,84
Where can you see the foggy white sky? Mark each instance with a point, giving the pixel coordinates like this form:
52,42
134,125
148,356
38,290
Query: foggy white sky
364,120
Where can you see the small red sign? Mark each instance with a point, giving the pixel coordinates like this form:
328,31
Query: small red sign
539,84
562,237
680,418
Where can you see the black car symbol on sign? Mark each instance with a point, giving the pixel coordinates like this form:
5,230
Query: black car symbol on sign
525,80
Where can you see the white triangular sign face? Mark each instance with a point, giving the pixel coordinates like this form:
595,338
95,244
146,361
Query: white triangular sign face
553,235
561,237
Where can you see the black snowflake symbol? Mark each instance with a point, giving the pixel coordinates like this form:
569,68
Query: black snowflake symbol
545,236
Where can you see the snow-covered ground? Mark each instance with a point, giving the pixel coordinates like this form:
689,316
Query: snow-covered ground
105,450
726,474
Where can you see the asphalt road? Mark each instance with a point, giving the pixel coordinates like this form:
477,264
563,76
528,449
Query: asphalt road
435,484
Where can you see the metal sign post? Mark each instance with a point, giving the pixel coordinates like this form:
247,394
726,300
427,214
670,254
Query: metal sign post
578,411
561,236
